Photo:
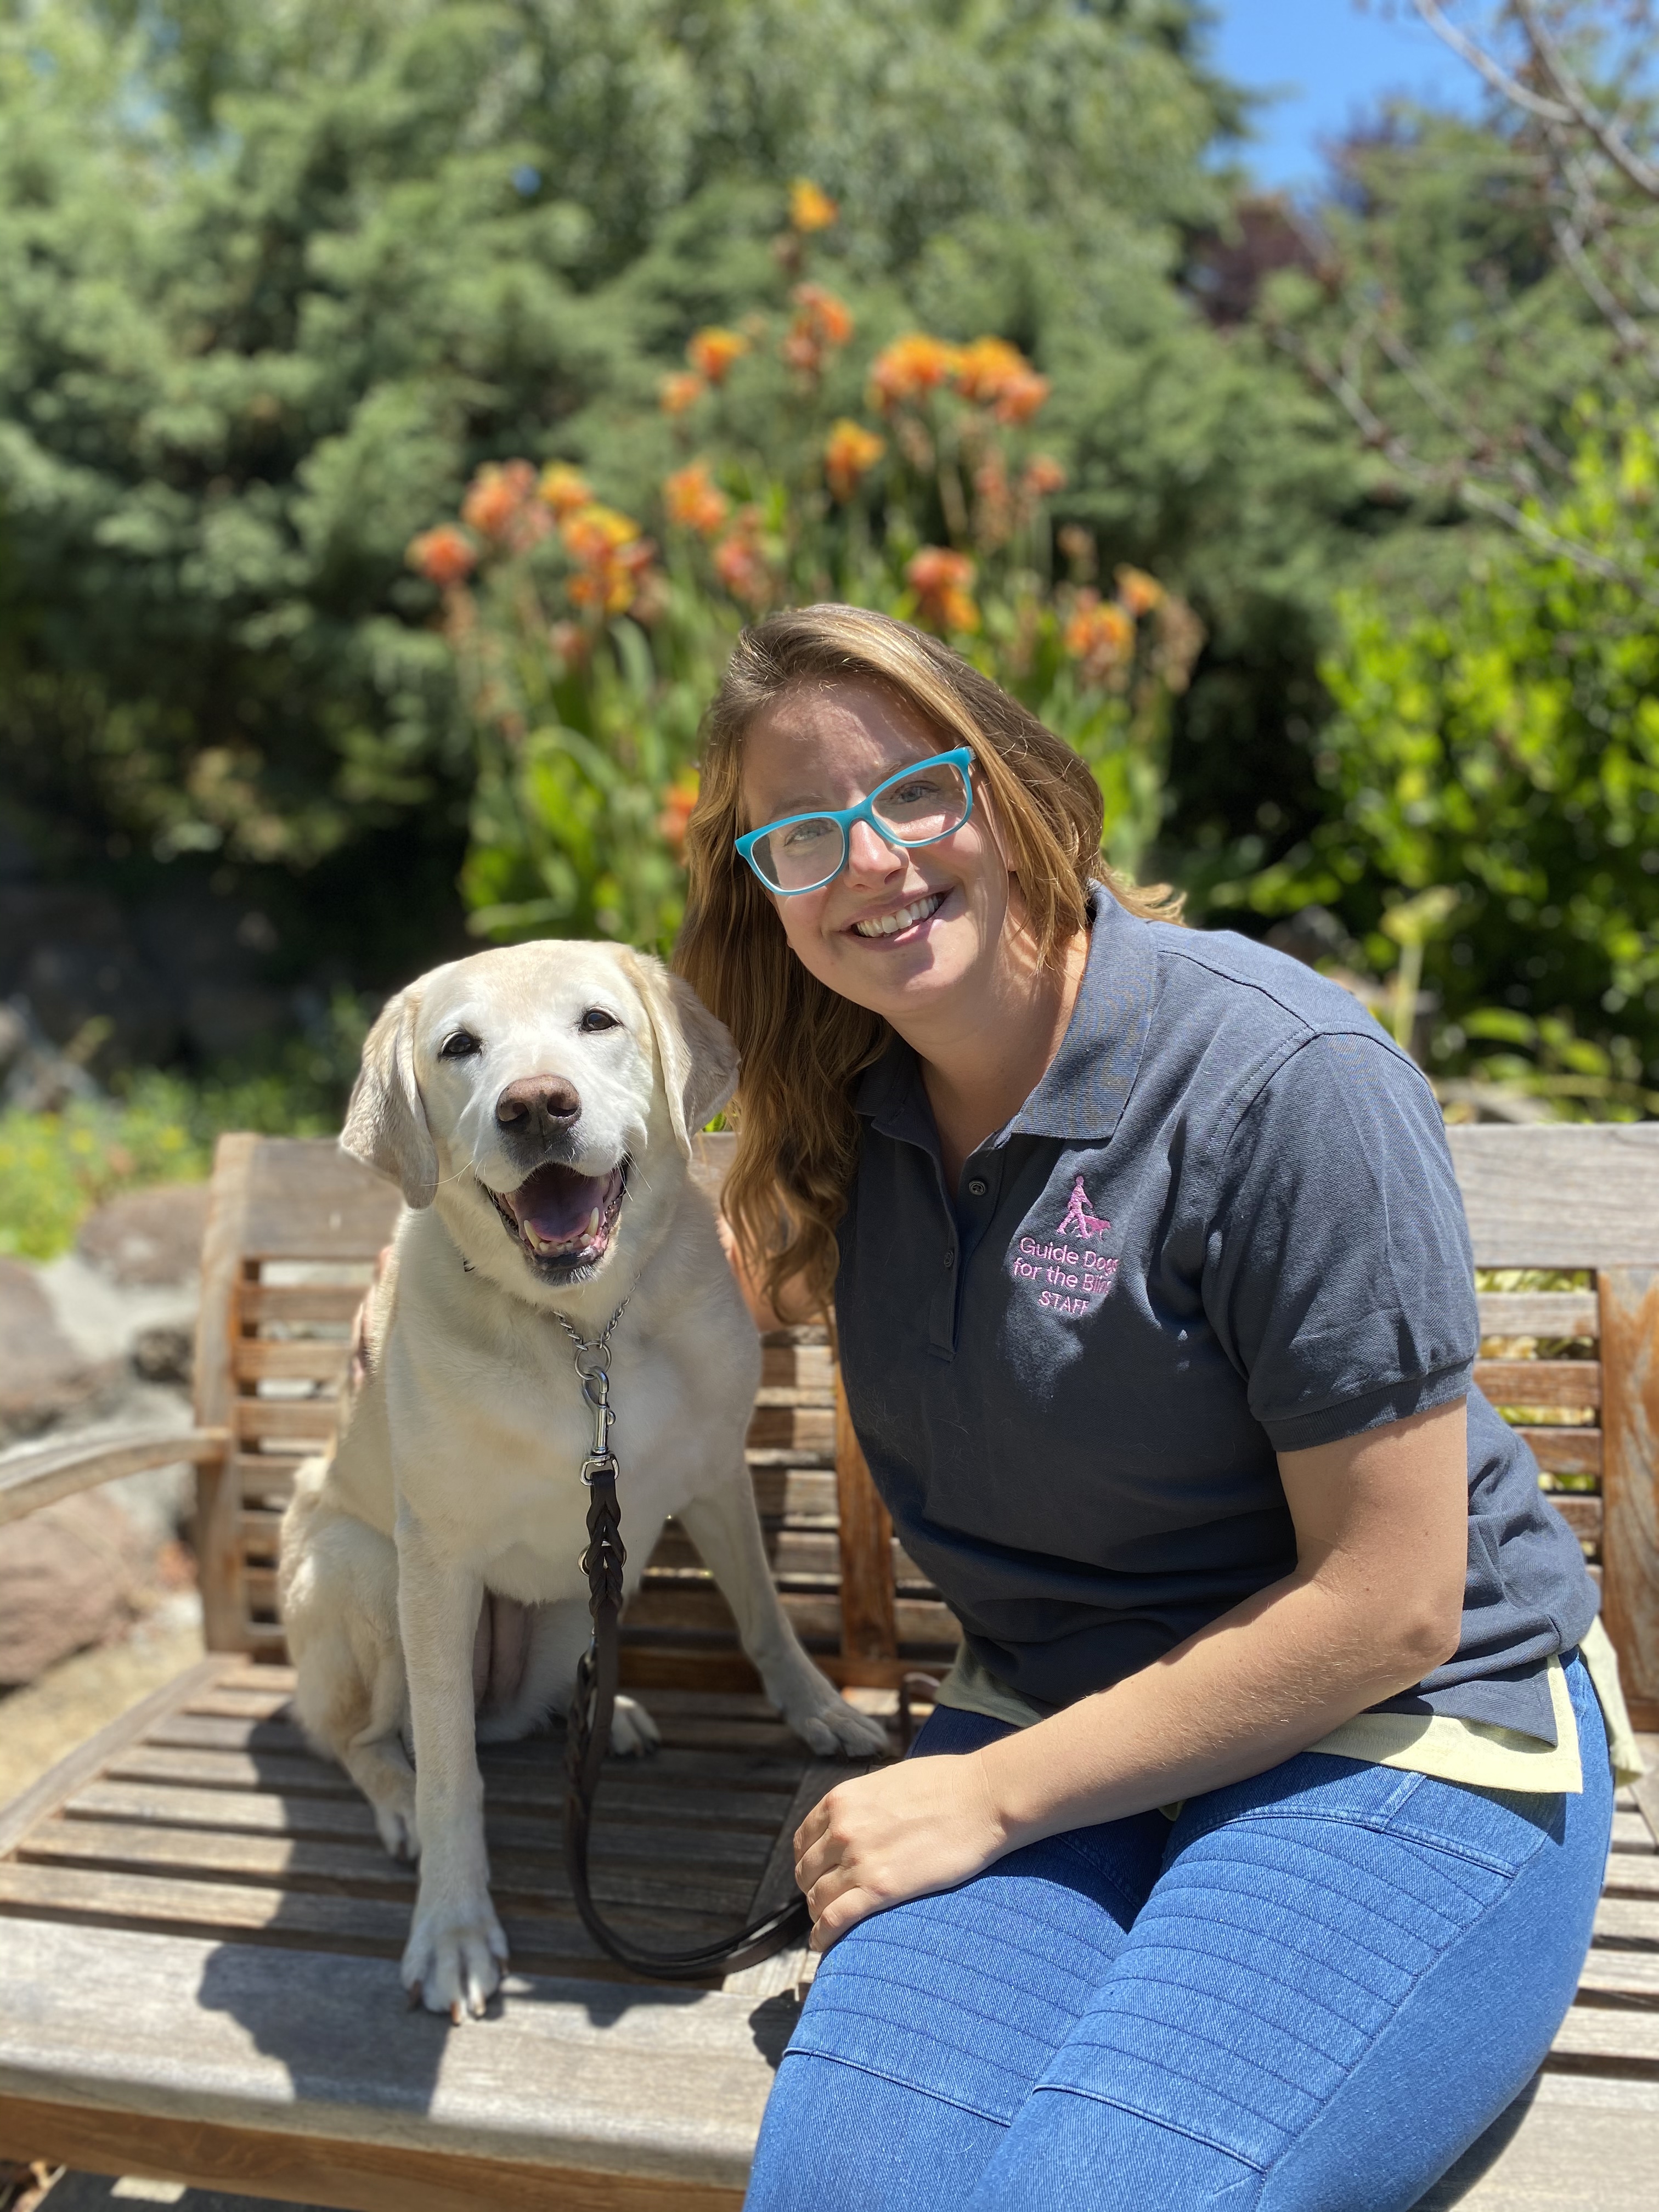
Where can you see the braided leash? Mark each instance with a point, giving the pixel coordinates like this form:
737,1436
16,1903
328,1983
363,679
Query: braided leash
588,1736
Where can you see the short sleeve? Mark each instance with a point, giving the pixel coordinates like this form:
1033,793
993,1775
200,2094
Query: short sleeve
1338,1273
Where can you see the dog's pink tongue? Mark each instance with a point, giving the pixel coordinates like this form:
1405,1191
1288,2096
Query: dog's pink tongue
557,1203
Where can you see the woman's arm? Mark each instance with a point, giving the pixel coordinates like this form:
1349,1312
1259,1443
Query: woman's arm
1375,1603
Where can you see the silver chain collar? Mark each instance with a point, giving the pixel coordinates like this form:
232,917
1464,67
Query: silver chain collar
593,1365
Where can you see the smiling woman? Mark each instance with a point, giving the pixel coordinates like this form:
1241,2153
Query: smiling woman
888,695
1268,1794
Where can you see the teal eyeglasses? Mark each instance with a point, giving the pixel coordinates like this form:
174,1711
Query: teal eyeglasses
930,800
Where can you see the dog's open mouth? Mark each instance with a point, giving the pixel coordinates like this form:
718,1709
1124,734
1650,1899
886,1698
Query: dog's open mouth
564,1221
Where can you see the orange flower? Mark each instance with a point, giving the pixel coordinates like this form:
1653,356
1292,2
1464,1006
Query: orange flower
821,321
1139,592
851,453
810,207
694,500
1021,397
1043,476
911,366
995,374
829,317
443,556
678,802
942,582
495,496
740,562
712,352
680,392
1099,635
564,488
612,558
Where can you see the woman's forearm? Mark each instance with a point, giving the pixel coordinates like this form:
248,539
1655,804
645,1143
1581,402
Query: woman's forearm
1375,1603
1253,1687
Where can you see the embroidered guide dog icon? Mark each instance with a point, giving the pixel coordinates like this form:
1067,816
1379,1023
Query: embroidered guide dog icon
1067,1280
1077,1220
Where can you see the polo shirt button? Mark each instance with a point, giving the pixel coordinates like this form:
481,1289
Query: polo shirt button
977,1188
950,1258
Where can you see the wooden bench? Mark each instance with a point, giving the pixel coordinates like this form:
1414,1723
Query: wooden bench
199,1930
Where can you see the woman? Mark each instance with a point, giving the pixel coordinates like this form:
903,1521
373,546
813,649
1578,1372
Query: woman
1251,1855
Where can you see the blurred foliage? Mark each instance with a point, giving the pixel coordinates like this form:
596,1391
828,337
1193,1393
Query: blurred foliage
279,280
1492,776
159,1127
586,654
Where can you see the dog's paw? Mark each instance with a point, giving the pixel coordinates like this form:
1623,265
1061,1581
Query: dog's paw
454,1958
632,1729
829,1726
395,1818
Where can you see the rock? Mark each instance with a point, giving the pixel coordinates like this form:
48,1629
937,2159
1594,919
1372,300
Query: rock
44,1378
149,1236
68,1577
164,1354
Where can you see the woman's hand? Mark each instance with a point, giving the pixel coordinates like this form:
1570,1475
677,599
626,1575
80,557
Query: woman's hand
922,1826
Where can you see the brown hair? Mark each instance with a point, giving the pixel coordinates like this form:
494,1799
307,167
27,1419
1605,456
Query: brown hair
801,1043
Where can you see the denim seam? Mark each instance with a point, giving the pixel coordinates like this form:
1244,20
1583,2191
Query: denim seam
1195,2034
1314,1959
1292,1989
1402,1927
915,2089
1152,2119
1383,1827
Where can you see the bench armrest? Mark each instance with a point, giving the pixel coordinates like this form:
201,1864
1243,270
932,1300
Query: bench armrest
38,1475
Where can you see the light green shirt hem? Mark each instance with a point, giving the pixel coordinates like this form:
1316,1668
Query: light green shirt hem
1475,1752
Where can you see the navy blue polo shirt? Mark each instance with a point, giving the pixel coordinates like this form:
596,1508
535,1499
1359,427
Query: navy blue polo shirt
1224,1224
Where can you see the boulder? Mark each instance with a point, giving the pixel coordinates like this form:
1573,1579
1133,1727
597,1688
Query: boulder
148,1237
44,1377
68,1577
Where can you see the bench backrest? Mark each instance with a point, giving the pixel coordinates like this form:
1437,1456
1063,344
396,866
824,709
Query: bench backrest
294,1228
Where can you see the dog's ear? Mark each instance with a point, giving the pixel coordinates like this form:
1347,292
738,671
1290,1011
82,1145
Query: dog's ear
699,1060
385,1125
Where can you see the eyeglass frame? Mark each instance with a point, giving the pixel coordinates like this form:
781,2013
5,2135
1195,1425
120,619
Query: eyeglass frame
959,756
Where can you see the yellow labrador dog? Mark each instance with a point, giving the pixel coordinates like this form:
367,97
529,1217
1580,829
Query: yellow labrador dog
536,1106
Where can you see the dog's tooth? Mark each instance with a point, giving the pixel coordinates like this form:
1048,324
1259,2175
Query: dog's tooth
594,1223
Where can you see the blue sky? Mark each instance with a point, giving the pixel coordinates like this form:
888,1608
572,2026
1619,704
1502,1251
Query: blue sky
1333,61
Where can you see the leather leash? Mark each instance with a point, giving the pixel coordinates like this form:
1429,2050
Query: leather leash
587,1736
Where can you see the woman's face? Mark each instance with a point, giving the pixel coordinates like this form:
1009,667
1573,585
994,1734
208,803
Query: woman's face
829,747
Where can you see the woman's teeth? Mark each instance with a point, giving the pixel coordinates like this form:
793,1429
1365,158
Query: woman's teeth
889,925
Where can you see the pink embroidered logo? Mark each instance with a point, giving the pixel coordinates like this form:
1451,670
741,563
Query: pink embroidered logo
1066,1278
1077,1220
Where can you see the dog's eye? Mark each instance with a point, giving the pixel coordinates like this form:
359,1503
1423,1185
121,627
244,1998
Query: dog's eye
596,1019
461,1045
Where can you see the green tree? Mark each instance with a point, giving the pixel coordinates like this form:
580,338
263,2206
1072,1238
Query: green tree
1492,773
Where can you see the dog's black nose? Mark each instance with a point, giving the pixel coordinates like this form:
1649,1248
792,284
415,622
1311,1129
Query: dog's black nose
537,1105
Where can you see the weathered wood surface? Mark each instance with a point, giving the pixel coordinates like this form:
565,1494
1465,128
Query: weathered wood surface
593,2076
309,2170
869,1615
1538,1313
305,1199
218,1491
1567,2145
1630,1481
85,1761
1574,1385
1560,1195
37,1474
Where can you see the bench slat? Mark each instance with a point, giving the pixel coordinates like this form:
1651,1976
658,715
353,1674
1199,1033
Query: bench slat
1539,1313
1574,1384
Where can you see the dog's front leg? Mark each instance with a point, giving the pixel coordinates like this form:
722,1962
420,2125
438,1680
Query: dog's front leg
452,1959
725,1529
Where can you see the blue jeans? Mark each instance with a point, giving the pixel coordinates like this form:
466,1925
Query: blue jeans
1309,1994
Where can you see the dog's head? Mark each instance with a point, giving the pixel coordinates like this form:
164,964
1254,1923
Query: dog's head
538,1094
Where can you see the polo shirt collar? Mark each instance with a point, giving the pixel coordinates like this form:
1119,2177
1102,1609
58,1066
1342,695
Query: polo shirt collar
1083,1091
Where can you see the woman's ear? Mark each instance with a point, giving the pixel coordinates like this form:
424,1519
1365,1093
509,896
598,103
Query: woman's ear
694,1051
385,1124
